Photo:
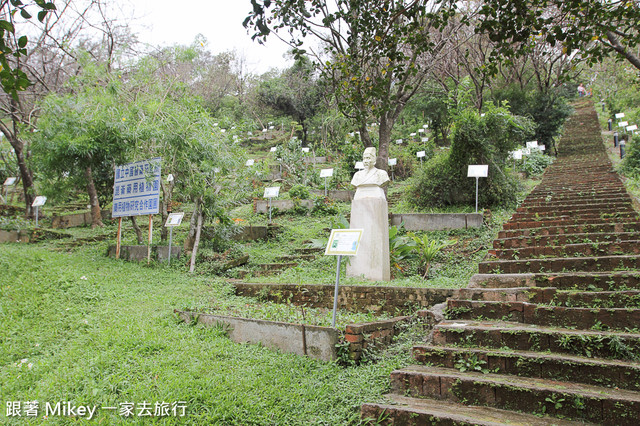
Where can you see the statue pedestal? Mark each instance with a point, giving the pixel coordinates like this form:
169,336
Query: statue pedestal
369,211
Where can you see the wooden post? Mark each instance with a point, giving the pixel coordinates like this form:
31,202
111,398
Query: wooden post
119,237
149,245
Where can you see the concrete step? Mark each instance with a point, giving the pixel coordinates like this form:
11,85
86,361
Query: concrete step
590,371
568,264
563,239
583,249
573,401
294,257
587,204
566,229
532,337
558,200
629,299
590,281
581,318
276,266
573,215
623,218
403,410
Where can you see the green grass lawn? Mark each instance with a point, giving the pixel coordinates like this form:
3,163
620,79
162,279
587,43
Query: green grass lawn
79,327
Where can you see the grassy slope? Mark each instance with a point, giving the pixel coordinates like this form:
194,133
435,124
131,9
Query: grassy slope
112,338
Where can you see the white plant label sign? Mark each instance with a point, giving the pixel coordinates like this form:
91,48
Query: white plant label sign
10,181
249,163
620,115
393,161
359,165
480,170
39,201
271,192
174,219
325,173
421,154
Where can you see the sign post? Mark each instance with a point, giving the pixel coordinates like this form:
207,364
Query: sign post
325,173
421,155
270,193
392,162
477,171
342,242
38,202
173,220
7,183
136,192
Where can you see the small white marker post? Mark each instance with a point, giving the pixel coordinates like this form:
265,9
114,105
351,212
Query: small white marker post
173,220
326,173
517,155
532,144
342,242
269,193
249,163
38,202
623,124
5,188
392,162
398,141
620,115
421,155
477,171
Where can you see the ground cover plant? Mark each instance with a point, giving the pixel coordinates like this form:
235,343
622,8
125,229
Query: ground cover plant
79,327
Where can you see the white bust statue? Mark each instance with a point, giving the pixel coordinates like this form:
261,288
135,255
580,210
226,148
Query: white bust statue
370,175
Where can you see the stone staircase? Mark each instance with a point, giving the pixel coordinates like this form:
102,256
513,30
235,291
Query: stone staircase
548,332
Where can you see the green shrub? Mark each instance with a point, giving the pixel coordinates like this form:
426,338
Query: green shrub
300,192
536,163
631,161
549,111
476,139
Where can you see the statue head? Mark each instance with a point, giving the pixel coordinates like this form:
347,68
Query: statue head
369,158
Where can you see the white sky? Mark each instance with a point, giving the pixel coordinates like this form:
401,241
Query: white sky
169,22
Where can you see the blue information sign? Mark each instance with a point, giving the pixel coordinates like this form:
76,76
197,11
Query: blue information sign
136,189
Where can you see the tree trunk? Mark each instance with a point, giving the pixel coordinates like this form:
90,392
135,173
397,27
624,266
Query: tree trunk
384,134
196,243
136,228
191,237
618,47
167,195
26,176
96,215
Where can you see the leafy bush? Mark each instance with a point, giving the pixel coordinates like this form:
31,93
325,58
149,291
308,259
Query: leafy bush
631,161
300,192
548,110
536,163
324,206
477,139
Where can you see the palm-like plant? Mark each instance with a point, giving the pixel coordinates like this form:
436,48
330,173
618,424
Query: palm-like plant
428,249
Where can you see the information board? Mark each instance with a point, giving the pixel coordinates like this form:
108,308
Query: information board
136,189
343,242
10,181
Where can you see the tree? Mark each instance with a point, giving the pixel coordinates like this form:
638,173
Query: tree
296,93
587,28
375,53
83,135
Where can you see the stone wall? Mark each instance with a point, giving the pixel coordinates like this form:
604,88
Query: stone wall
139,253
390,300
436,221
76,219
